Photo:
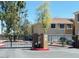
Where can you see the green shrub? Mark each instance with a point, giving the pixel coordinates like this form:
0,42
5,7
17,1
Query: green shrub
62,40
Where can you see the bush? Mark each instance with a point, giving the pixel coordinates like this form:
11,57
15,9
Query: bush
63,40
74,37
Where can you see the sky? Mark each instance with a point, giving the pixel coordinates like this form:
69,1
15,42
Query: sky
60,9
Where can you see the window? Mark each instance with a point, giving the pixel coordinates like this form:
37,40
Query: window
53,26
61,25
68,25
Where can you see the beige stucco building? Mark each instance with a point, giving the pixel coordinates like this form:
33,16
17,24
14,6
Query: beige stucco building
59,27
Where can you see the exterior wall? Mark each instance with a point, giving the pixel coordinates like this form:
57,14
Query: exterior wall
54,37
77,28
37,29
69,30
55,33
58,30
76,25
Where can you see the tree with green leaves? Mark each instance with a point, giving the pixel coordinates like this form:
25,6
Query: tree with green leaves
10,14
44,16
44,21
2,19
25,25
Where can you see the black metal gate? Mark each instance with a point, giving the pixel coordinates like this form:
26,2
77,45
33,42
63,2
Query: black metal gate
19,43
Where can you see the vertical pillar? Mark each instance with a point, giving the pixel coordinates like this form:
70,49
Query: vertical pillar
44,41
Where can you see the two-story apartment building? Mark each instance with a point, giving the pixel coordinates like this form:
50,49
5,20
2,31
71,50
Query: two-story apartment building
59,27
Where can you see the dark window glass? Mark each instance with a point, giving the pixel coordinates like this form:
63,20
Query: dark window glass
69,25
61,25
53,26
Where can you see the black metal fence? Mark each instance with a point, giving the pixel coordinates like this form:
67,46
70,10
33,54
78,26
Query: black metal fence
13,42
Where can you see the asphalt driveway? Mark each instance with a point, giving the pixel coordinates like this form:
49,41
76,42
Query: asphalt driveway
53,52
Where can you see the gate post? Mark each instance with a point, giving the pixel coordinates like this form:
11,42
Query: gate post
40,42
10,37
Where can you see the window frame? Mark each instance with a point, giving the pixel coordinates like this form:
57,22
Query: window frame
61,27
69,27
52,26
